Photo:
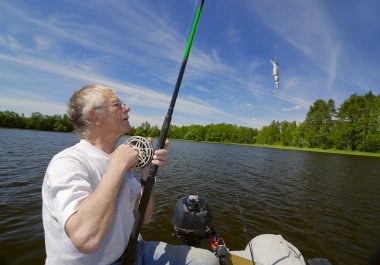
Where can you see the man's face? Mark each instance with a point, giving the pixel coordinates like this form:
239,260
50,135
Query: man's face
115,118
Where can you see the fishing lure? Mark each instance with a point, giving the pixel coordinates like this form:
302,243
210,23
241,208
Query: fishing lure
276,73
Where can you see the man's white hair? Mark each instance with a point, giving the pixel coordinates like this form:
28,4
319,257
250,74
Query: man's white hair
88,97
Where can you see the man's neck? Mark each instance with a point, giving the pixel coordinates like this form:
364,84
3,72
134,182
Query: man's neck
103,142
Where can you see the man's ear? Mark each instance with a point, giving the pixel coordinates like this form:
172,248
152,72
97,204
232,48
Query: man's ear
92,117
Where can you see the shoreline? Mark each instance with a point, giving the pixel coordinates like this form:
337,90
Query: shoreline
320,150
316,150
293,148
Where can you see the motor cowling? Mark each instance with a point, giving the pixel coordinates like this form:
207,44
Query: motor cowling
191,219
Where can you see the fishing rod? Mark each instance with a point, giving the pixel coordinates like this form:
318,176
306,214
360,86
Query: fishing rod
129,252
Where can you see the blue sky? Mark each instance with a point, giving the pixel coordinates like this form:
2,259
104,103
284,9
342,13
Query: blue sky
326,49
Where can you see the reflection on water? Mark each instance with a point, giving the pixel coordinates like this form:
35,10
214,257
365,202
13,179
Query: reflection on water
326,205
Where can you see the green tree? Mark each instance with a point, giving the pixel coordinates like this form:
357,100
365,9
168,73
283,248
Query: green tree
213,133
270,134
62,124
319,123
143,129
11,119
177,132
301,135
358,123
154,131
195,133
287,133
34,121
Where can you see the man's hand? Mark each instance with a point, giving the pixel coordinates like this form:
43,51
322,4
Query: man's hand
159,158
124,155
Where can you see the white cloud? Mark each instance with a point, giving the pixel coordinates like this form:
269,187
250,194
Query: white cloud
42,43
296,107
233,34
10,42
28,106
202,89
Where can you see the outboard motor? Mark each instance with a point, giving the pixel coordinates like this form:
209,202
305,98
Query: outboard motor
191,220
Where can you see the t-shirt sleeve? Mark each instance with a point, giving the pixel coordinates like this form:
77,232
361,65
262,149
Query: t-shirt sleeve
69,185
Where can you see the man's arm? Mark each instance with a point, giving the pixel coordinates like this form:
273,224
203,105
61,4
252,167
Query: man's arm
87,227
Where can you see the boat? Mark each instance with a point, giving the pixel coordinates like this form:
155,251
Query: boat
192,223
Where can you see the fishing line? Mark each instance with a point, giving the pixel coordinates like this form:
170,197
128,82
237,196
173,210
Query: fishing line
241,214
277,37
244,226
99,8
81,64
190,20
94,21
274,62
187,31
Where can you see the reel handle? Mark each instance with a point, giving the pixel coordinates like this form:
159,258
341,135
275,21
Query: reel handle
145,149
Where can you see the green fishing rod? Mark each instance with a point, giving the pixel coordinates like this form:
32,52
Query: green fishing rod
129,252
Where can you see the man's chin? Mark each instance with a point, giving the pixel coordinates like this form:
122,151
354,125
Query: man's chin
127,128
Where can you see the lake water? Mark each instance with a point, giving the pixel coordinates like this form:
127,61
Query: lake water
326,205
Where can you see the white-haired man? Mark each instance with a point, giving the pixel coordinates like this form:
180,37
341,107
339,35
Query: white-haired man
89,193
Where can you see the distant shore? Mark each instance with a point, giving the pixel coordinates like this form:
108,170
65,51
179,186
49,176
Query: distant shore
318,150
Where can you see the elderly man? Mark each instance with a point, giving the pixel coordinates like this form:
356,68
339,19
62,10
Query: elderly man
89,193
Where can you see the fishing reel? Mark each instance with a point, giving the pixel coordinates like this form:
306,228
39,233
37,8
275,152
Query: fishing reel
145,149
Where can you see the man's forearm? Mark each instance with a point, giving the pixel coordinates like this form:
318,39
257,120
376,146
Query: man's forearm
88,226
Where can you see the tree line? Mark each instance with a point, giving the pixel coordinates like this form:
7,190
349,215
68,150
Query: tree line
37,121
354,125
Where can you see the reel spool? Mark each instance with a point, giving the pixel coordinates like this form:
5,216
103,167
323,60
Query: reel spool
145,149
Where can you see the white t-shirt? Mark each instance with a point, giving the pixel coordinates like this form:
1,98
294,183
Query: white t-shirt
71,176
